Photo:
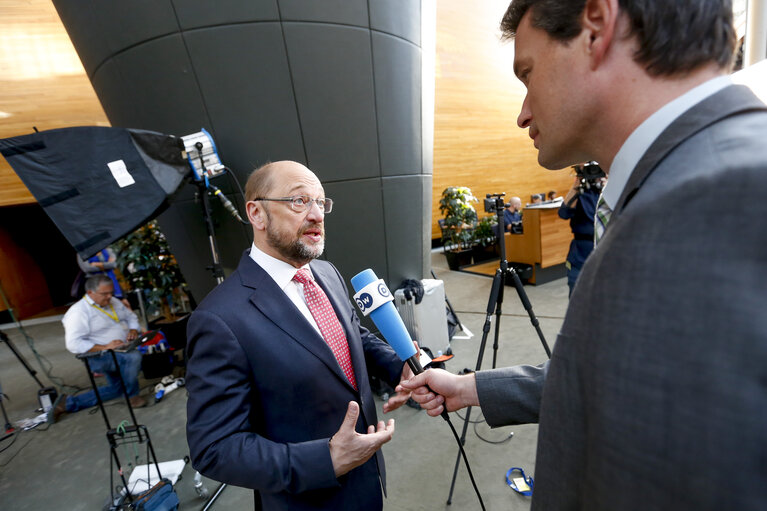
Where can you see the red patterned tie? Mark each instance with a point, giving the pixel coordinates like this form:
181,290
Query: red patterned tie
326,319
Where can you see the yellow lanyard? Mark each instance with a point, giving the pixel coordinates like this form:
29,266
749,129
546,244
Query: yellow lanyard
113,315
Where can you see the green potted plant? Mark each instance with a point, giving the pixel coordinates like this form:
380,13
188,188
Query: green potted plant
458,225
146,262
486,239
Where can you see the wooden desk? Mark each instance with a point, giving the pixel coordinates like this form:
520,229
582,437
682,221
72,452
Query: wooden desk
544,242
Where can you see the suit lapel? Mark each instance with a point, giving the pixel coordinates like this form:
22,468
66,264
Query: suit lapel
274,304
731,100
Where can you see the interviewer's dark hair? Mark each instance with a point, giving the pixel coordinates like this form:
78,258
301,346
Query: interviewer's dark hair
674,36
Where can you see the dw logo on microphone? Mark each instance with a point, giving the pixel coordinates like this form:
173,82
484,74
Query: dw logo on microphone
364,301
372,296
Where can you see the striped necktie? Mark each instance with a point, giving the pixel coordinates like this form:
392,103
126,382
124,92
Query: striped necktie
601,218
331,329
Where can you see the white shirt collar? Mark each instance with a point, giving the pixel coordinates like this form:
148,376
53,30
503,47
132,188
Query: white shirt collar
280,271
645,134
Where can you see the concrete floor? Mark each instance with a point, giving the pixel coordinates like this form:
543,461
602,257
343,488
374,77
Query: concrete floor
68,462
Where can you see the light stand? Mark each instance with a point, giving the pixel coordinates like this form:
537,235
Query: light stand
200,151
202,192
203,143
9,429
494,203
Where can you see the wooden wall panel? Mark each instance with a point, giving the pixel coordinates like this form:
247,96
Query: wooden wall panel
476,139
42,83
21,279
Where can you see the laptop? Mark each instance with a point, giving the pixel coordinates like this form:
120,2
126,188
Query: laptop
136,342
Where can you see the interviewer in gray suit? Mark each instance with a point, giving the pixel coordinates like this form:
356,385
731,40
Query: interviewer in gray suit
656,393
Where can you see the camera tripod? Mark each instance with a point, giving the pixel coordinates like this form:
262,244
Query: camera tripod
494,203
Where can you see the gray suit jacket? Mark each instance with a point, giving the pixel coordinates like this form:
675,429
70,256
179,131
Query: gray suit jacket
656,394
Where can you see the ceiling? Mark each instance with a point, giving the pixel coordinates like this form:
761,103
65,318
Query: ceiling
42,82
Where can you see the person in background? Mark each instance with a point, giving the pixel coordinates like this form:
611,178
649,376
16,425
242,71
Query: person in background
97,323
512,215
103,262
579,207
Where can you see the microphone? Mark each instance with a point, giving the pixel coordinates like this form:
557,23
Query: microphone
227,203
374,300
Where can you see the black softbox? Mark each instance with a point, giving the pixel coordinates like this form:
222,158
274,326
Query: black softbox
98,184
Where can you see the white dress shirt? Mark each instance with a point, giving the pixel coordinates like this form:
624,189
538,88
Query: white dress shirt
86,324
642,138
282,273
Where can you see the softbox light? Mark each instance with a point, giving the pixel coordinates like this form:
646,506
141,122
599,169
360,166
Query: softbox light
98,184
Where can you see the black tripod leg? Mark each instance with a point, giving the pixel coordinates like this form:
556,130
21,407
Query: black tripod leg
8,426
529,308
23,361
491,306
498,316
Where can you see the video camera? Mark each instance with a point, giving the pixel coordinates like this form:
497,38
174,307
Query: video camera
590,175
494,203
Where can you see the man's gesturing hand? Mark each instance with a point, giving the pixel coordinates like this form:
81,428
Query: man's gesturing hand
453,391
349,449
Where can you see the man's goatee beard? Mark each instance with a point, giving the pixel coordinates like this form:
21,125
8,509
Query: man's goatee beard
296,250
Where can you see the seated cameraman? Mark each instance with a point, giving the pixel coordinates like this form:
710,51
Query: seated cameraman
97,323
579,207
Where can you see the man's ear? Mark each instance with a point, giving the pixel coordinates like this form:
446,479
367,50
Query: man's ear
256,215
599,20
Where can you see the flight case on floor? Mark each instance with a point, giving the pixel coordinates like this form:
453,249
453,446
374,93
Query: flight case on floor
426,321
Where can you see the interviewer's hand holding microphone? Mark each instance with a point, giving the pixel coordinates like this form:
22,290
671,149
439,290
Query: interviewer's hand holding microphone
374,299
436,390
431,389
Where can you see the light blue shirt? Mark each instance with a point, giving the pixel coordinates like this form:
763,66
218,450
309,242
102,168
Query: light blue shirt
86,324
644,135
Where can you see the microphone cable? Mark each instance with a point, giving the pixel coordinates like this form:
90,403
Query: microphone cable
232,177
482,420
463,453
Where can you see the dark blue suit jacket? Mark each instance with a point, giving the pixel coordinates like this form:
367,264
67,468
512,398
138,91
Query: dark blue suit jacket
266,393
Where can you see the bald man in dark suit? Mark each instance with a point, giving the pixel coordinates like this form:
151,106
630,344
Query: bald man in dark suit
279,392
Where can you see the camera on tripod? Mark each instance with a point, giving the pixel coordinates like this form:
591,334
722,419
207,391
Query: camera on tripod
494,203
590,175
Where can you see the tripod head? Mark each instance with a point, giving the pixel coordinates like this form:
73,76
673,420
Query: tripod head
494,203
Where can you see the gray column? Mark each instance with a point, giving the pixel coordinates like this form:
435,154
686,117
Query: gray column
333,84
